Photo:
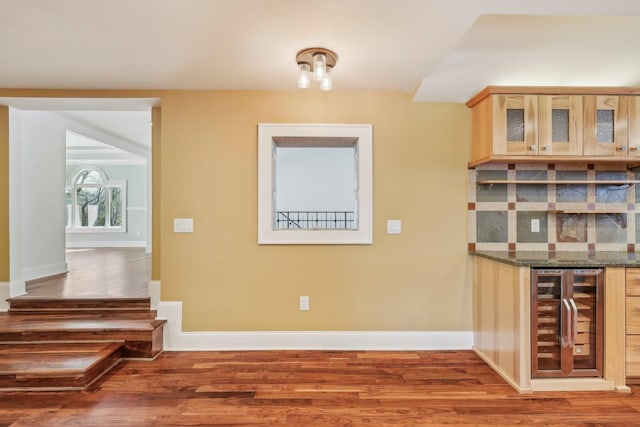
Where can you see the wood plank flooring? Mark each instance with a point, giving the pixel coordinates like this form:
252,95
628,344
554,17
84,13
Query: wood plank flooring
313,388
98,273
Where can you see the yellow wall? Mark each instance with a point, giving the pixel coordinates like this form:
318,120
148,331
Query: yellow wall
419,280
414,281
4,194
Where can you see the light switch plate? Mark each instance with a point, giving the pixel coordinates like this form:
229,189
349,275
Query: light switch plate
394,226
535,225
183,225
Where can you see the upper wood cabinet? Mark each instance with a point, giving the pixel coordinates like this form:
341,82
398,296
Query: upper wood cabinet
560,125
633,126
555,124
605,125
515,124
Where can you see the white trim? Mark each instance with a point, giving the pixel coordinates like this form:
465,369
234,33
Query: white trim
99,229
107,244
177,340
5,292
8,290
17,288
154,293
32,273
364,234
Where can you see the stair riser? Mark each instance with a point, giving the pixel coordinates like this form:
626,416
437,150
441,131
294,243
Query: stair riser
145,344
71,304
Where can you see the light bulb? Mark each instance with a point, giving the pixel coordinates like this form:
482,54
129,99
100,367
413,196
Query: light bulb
304,79
319,66
326,83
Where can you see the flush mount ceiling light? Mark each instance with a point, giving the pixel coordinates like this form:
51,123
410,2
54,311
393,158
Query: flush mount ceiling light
317,61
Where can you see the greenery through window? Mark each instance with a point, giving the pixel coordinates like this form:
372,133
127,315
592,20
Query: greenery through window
94,203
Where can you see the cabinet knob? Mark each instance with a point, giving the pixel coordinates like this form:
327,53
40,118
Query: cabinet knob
636,148
546,147
621,148
534,147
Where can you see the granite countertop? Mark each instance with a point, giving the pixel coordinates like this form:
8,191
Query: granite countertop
563,259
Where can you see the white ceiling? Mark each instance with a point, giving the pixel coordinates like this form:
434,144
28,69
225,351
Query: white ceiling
444,50
436,50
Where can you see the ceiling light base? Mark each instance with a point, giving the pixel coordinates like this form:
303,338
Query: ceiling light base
305,56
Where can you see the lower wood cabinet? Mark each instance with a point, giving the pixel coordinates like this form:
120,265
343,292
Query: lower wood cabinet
632,363
578,352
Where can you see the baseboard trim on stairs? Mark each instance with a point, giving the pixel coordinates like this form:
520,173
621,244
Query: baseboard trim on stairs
177,340
42,271
10,289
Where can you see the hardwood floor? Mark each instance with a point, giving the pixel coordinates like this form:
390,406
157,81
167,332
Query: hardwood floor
98,273
313,388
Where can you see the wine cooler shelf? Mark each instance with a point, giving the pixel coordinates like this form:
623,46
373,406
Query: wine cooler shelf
567,321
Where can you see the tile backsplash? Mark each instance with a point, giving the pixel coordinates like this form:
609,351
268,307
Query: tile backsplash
569,217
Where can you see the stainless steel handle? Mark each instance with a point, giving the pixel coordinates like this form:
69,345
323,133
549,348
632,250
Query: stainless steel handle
567,320
574,336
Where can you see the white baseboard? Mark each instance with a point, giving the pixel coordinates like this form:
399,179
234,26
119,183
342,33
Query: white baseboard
107,244
177,340
32,273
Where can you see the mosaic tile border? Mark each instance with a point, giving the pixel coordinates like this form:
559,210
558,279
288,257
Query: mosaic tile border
572,217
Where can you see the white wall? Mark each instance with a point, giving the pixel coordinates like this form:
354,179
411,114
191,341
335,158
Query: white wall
315,179
41,208
137,218
17,285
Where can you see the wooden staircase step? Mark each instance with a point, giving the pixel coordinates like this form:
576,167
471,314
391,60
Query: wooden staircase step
142,337
56,365
32,304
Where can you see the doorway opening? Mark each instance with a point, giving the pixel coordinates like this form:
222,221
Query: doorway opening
80,196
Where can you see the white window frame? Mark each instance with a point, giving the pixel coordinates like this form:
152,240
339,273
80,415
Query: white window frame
108,185
363,235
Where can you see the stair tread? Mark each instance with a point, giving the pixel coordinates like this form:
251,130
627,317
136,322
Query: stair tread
51,360
49,322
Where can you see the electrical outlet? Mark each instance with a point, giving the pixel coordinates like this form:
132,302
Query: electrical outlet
535,225
304,303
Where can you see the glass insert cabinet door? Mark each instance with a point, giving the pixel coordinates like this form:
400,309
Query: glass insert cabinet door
515,124
605,125
567,322
560,126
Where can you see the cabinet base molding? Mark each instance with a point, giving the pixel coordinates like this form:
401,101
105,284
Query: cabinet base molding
633,380
501,372
575,384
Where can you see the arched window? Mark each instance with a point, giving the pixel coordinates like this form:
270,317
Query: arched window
94,203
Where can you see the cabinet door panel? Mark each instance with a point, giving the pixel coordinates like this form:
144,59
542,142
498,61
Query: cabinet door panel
515,124
633,281
633,356
634,126
605,125
560,125
633,315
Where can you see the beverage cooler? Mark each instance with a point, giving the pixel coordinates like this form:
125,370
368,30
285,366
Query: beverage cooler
567,322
